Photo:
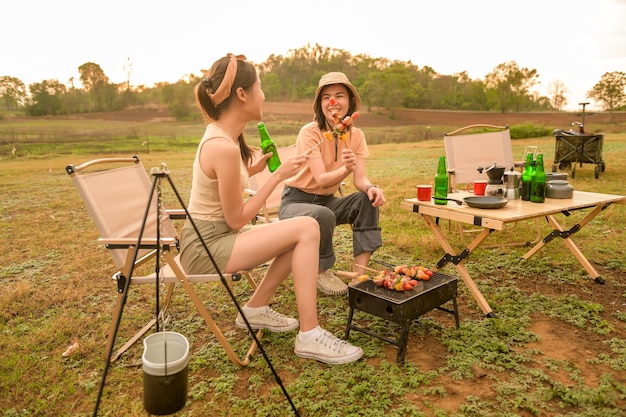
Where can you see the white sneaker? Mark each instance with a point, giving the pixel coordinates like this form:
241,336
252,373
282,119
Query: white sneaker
268,319
327,348
329,284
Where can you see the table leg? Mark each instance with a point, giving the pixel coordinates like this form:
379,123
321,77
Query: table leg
570,243
460,268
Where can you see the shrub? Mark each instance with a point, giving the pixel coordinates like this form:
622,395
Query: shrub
529,130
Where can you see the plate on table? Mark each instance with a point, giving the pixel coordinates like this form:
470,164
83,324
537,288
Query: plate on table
486,202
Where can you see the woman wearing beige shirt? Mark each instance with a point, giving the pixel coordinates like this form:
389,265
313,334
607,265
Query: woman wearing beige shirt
332,159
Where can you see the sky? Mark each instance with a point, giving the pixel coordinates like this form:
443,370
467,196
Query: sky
572,41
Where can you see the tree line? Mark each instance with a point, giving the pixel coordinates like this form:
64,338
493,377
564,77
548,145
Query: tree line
382,84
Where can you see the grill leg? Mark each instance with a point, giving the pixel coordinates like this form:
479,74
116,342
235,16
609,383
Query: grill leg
349,325
402,342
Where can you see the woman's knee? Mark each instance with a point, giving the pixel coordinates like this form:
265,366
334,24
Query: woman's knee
304,226
322,214
366,203
311,227
325,216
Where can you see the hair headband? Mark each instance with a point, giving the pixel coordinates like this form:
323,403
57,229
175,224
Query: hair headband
223,91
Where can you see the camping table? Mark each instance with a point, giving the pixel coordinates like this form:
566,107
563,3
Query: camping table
492,220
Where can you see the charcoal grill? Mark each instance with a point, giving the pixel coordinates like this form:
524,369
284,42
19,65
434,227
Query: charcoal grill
401,307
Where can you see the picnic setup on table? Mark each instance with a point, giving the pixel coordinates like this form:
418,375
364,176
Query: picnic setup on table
509,197
492,220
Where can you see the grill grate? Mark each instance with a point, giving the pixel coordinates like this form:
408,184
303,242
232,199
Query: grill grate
438,279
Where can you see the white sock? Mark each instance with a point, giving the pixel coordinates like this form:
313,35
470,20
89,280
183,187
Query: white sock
306,337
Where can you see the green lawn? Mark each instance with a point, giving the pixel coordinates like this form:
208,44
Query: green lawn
557,348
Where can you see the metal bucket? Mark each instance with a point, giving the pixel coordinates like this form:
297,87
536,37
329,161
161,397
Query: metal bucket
164,363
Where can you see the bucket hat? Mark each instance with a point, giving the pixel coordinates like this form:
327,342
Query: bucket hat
336,78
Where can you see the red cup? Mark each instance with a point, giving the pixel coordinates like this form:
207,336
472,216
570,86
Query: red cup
425,192
479,187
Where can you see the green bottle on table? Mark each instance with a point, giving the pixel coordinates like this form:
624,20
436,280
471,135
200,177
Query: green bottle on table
527,176
538,185
441,182
268,145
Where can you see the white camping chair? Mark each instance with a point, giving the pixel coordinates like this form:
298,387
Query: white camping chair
466,152
117,200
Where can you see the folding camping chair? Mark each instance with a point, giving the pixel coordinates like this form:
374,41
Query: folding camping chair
117,200
465,153
269,211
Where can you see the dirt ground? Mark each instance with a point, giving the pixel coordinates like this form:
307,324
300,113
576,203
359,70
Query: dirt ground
558,341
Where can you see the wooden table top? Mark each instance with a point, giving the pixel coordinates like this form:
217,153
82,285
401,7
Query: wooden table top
513,211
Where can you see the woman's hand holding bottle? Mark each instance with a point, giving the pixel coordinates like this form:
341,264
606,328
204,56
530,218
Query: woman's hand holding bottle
259,164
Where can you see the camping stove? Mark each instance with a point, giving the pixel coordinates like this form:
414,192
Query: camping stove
401,307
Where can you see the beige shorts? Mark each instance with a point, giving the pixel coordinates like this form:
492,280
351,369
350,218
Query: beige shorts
220,240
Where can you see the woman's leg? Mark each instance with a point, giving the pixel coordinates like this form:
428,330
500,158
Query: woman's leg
362,259
326,221
356,210
293,244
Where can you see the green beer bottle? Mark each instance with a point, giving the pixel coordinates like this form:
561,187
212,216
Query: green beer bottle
441,182
538,185
527,176
268,145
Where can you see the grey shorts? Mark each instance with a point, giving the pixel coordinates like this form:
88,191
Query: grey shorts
220,240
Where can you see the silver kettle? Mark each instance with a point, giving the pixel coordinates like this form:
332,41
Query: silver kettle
512,184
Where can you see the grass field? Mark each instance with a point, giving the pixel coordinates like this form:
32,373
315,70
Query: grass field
557,348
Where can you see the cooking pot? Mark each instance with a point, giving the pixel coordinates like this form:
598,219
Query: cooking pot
556,176
559,189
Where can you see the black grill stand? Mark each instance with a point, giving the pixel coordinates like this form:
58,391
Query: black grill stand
401,307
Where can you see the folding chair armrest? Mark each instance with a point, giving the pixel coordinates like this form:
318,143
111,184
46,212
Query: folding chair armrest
129,241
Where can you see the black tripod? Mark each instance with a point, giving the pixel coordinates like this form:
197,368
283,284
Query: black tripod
158,176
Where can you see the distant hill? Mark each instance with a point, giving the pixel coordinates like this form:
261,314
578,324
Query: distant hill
301,113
